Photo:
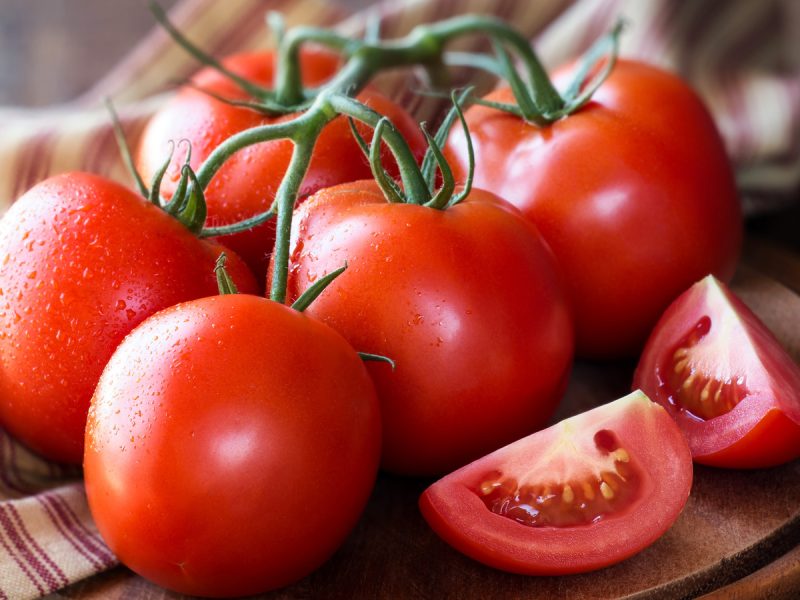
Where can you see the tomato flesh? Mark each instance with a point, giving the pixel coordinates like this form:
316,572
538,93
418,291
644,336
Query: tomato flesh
724,378
693,385
580,495
605,484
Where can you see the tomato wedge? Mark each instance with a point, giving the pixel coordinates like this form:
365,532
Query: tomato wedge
583,494
724,378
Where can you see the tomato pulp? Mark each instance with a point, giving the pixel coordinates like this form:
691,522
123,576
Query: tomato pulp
466,301
231,446
583,494
246,184
724,378
633,193
84,260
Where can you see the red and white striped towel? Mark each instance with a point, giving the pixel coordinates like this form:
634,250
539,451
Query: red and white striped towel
742,56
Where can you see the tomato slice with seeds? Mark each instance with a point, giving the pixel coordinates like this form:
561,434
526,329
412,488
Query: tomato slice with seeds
583,494
724,378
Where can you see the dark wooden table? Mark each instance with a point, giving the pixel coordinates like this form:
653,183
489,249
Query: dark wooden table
739,535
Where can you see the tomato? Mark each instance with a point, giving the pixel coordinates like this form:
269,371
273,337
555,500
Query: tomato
583,494
231,446
466,301
247,183
633,193
83,260
724,378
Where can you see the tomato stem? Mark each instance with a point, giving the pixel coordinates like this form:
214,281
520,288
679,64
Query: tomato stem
313,291
193,211
224,282
583,87
467,188
243,139
175,205
288,83
444,194
368,357
285,199
239,226
413,182
391,190
423,46
264,105
247,86
277,25
544,95
124,148
155,186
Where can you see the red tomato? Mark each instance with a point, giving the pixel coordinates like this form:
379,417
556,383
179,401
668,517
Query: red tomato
83,260
231,446
466,301
247,183
633,193
583,494
725,379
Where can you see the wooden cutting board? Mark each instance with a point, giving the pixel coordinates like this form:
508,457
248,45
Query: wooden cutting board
739,533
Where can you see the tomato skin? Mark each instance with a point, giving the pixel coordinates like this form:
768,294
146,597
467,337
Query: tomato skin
633,193
454,510
84,260
763,429
466,301
231,446
247,183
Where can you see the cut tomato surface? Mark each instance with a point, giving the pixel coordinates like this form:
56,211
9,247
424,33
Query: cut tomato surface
583,494
724,378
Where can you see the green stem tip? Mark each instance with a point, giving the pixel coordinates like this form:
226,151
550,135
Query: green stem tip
319,286
224,282
367,357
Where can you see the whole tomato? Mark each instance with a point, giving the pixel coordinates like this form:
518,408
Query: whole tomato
83,260
634,194
231,446
247,183
466,301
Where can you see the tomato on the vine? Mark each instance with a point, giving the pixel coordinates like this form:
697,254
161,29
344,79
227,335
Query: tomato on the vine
247,183
83,260
583,494
466,301
633,192
724,378
231,446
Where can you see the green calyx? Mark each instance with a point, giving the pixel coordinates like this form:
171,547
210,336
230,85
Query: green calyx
596,65
433,162
319,286
188,204
225,284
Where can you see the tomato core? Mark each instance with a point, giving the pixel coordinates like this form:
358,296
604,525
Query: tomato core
606,484
696,390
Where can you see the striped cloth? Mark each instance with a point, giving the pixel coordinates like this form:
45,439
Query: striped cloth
743,57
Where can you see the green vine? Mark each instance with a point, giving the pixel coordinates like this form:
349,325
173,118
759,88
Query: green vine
537,101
